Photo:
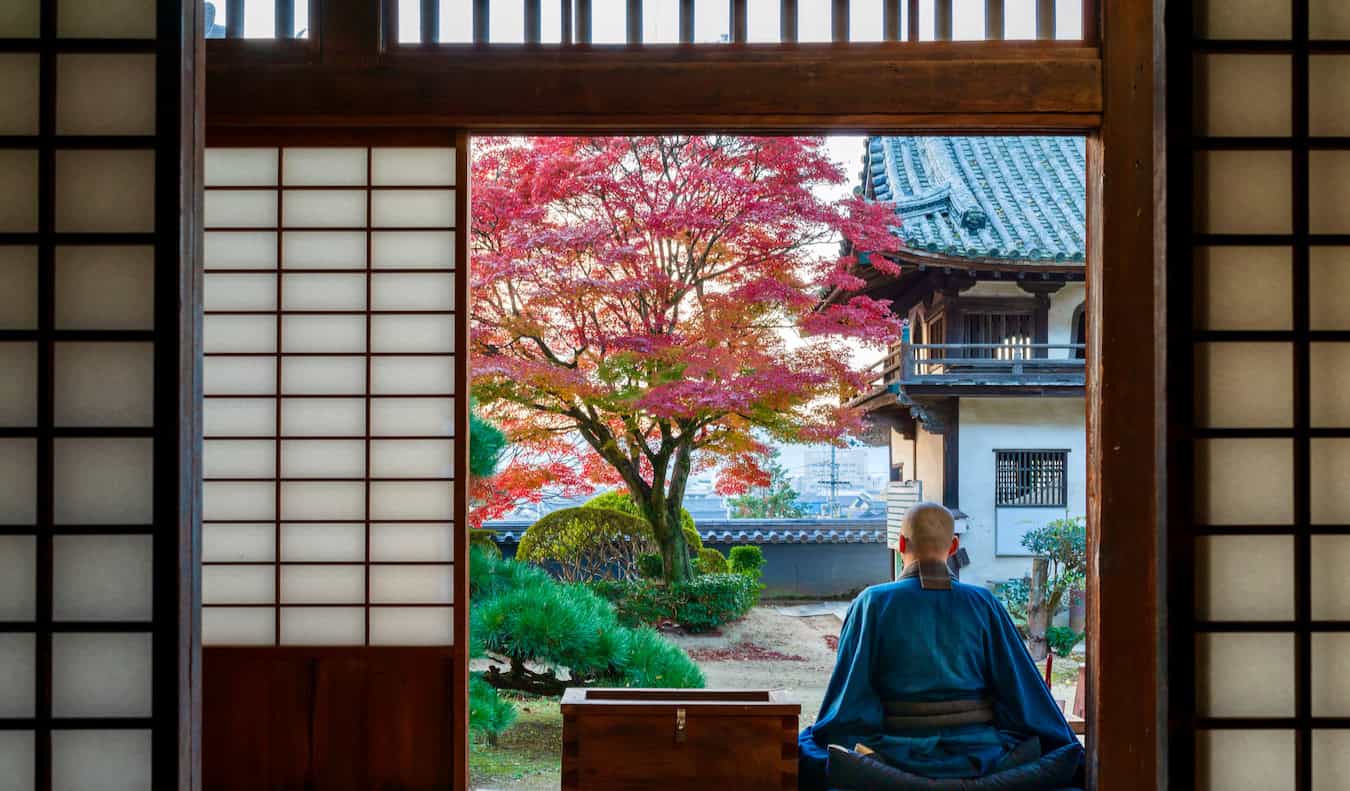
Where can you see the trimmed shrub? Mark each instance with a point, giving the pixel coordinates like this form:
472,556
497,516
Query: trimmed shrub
483,538
699,605
622,501
650,566
489,715
747,560
710,561
588,543
1062,640
654,661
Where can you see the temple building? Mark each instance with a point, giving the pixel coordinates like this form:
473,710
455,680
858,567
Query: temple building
981,398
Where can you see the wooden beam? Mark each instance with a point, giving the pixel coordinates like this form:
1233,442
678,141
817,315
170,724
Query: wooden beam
1028,86
839,20
1045,19
942,20
1127,403
995,29
913,32
891,20
787,21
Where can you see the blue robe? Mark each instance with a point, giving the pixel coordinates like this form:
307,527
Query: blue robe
901,642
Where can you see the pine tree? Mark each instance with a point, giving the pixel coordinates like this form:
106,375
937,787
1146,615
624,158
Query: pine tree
778,500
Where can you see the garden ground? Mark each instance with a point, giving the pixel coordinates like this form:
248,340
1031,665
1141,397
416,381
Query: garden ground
767,649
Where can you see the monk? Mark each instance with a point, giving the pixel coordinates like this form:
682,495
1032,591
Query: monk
932,677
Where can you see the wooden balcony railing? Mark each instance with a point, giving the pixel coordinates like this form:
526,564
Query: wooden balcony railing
982,363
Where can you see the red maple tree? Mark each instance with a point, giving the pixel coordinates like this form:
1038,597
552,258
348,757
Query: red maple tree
657,298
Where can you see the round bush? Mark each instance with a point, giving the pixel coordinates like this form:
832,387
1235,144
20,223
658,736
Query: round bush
622,501
710,561
588,543
651,566
747,560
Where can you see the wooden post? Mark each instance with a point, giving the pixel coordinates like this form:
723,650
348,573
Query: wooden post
1038,609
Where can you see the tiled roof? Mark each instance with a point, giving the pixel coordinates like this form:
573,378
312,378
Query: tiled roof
1012,198
753,531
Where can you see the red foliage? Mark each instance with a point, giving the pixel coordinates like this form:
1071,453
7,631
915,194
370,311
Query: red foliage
742,652
657,296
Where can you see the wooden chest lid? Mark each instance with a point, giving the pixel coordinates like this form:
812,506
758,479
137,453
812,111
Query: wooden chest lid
725,702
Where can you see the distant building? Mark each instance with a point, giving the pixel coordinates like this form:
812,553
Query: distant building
981,399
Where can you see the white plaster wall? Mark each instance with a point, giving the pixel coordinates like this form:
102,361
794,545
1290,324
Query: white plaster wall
1062,305
989,424
902,452
928,464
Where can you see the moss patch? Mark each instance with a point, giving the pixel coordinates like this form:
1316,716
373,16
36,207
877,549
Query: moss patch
528,755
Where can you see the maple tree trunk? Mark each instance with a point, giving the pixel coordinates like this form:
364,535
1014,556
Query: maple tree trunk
665,520
1038,609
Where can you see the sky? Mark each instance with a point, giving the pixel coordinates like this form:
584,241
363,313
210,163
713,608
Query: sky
660,20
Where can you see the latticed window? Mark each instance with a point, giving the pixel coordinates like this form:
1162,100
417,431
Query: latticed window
1031,478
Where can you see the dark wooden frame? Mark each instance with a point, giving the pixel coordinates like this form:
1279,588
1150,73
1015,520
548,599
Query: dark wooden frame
1111,93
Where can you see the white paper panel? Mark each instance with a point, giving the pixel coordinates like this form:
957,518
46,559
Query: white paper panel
236,501
1330,559
1329,19
18,288
239,542
104,384
254,458
393,167
240,209
254,334
239,375
240,292
105,94
1329,94
411,626
324,249
18,676
412,417
456,21
102,760
1244,481
413,292
111,191
241,167
412,249
323,292
324,334
1245,761
1243,192
238,584
322,626
106,18
1329,191
1245,675
1331,675
324,208
103,481
19,82
16,750
323,543
412,584
324,167
102,578
1224,571
310,375
1330,473
105,288
415,541
238,626
413,375
410,21
19,185
240,250
1243,95
322,500
1330,384
1260,19
323,584
390,501
323,417
1244,385
18,387
19,19
1330,759
18,481
323,458
412,334
423,208
101,675
412,459
1329,283
237,417
17,581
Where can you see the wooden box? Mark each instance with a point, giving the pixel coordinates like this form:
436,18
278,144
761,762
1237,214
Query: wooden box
704,739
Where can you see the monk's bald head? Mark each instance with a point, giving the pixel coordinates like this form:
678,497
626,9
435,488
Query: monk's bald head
928,529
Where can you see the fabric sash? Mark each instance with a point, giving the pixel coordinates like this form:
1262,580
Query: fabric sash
908,716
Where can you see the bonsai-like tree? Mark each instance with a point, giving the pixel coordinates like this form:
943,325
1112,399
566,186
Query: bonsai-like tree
647,294
777,500
1059,567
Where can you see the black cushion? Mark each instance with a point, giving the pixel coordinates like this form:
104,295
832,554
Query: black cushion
856,772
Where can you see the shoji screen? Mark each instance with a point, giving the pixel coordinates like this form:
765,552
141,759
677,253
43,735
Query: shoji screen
1271,343
96,178
329,409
